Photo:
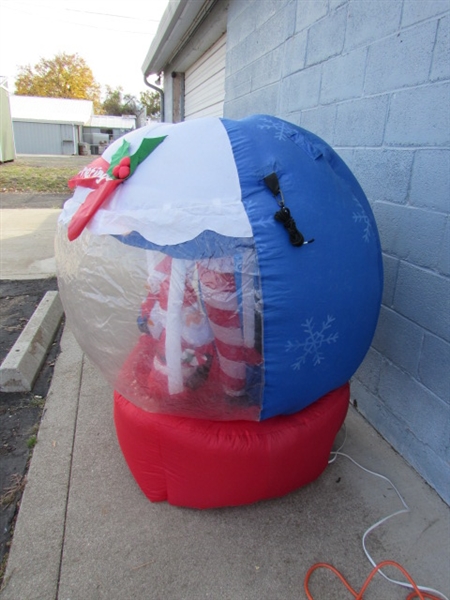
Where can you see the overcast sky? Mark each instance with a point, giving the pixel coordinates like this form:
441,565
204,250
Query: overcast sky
112,36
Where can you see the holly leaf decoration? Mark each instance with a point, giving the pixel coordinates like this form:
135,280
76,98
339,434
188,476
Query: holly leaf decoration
119,158
122,152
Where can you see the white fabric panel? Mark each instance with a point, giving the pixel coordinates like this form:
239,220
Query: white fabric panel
188,184
204,83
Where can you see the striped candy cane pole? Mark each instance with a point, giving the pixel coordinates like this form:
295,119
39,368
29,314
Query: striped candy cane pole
220,297
172,315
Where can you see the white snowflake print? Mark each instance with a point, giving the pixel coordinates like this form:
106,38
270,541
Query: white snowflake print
363,217
265,222
313,343
283,131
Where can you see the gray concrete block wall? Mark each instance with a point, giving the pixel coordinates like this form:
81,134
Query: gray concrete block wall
372,79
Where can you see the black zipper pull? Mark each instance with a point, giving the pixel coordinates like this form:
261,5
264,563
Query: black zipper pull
284,214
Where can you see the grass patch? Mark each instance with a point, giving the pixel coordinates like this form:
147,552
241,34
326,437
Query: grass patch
37,401
31,441
3,569
15,489
40,174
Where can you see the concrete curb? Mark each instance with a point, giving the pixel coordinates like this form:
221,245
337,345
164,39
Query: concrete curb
35,558
23,362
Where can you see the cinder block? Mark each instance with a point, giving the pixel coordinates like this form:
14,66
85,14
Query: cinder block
361,122
301,90
271,34
260,73
420,117
423,413
234,108
21,366
432,466
428,463
321,121
293,117
240,55
239,28
444,254
401,60
275,12
398,339
369,405
334,4
441,55
347,155
410,233
238,84
390,266
343,77
266,70
383,174
369,371
310,11
414,12
421,237
235,9
422,296
430,182
370,21
264,100
434,366
294,53
326,37
361,394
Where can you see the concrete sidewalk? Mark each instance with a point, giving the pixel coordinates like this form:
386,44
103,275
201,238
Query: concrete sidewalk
27,242
27,233
85,531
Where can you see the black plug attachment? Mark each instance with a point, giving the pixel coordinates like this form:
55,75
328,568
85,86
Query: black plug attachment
284,214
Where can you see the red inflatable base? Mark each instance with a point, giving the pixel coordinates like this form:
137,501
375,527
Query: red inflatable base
206,464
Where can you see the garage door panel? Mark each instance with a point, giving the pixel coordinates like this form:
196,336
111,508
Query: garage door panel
212,92
214,65
205,83
201,80
215,53
214,110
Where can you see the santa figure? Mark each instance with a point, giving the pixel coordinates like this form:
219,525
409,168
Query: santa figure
200,328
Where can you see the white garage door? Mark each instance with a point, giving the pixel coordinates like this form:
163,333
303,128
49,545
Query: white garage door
204,83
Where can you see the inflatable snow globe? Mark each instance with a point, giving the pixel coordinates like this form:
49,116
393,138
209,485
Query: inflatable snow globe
226,278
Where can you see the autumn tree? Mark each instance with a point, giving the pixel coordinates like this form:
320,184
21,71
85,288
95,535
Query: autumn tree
64,76
117,103
152,102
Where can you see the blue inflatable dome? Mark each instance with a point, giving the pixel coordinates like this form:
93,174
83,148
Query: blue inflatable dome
220,263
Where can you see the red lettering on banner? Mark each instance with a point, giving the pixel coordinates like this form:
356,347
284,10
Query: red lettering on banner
92,175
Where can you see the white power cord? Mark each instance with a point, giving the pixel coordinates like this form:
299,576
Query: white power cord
405,509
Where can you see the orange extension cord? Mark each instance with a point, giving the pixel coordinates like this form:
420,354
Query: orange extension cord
359,595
